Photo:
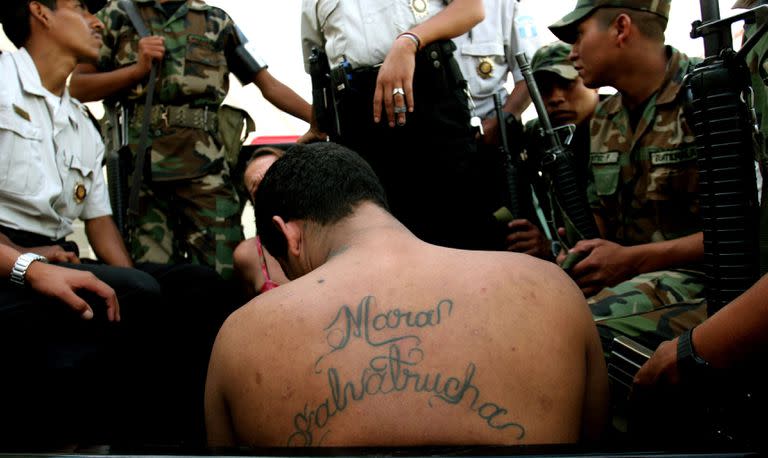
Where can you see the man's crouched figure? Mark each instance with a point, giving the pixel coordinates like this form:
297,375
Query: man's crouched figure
382,339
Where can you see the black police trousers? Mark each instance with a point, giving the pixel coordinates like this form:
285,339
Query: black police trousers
435,183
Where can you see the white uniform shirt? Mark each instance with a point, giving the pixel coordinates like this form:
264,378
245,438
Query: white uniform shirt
361,30
507,29
48,149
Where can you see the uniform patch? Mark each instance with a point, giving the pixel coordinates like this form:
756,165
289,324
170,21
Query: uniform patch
20,111
604,158
673,157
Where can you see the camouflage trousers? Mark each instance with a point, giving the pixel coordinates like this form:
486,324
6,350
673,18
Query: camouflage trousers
650,308
196,220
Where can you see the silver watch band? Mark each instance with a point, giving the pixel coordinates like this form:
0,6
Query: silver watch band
19,270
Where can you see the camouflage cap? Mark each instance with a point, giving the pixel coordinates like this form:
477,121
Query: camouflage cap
554,58
565,28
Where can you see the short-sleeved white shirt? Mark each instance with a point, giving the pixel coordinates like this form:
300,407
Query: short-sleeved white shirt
50,155
508,29
361,30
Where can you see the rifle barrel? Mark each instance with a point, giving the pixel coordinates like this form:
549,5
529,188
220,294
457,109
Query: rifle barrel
536,99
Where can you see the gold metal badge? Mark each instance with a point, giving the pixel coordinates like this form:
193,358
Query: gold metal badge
80,193
485,68
420,8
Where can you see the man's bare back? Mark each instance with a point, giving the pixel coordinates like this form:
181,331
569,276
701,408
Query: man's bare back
396,342
382,339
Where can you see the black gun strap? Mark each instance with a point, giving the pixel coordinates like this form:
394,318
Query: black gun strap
141,153
136,20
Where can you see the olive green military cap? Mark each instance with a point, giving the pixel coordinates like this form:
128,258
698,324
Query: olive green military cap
565,28
553,58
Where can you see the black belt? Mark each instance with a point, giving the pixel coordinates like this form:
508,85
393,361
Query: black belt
30,239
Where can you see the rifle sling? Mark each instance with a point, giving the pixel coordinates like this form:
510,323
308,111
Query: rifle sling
141,153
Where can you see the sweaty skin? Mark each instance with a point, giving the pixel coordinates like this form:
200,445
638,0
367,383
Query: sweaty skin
391,341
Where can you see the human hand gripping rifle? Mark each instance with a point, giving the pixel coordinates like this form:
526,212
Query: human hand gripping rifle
722,115
558,169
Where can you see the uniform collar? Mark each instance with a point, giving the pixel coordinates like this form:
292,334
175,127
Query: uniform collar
678,65
30,82
196,5
29,78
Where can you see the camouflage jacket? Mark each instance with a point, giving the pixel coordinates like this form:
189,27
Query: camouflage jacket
644,184
199,40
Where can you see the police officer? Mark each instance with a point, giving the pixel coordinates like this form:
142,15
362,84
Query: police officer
645,179
72,369
189,207
400,102
486,55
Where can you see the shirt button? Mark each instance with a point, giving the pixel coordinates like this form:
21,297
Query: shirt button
167,30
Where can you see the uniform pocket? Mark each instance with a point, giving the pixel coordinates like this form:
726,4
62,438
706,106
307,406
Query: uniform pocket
672,175
20,153
605,171
204,66
487,58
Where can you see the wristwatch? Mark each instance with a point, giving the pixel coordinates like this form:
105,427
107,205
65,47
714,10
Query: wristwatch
689,364
23,262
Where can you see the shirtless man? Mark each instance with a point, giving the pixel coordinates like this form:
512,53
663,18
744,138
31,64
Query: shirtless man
382,339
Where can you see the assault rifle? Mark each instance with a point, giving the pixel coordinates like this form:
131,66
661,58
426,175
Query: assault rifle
513,210
118,162
722,115
556,163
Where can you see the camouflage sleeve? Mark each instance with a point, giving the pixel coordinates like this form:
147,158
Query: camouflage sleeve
113,18
242,58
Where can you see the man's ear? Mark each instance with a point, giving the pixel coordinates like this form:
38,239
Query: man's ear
39,12
292,232
623,27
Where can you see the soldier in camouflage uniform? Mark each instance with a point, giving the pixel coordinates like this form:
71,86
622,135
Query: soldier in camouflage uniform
643,278
189,208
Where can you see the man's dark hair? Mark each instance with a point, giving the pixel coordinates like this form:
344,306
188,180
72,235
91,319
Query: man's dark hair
649,24
15,18
321,182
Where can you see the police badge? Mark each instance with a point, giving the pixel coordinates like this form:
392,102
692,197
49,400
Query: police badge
485,68
420,8
80,193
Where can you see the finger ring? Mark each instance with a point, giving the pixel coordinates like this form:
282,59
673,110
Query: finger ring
398,90
400,109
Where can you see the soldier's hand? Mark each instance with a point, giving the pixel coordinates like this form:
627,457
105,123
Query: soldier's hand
150,49
604,264
394,84
661,368
56,254
526,237
312,135
63,283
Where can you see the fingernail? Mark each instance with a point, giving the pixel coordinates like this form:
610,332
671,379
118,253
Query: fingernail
87,315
